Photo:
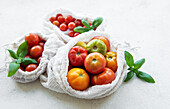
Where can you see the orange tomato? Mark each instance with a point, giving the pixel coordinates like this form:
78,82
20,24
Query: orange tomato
107,76
111,60
78,79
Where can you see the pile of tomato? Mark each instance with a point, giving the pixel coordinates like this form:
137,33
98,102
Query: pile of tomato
67,23
91,63
35,50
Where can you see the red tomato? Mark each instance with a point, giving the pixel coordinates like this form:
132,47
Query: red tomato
31,67
27,56
36,51
41,44
39,59
77,55
52,19
32,39
107,76
90,24
71,25
58,15
95,63
57,23
78,22
21,68
84,26
68,19
61,19
76,34
63,27
71,33
105,40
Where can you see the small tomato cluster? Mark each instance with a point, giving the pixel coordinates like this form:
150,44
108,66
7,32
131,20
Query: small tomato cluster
91,63
68,23
35,50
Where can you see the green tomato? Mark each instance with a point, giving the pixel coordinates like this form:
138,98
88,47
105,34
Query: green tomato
81,44
96,45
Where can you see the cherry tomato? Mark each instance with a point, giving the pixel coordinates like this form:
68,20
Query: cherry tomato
31,67
63,27
76,34
105,40
78,79
68,19
57,23
78,22
52,19
95,28
71,25
107,76
36,51
41,44
39,59
71,33
61,19
90,24
111,60
27,56
58,15
77,55
95,63
84,26
32,39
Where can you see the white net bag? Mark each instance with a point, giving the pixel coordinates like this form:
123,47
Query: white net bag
50,49
62,35
57,70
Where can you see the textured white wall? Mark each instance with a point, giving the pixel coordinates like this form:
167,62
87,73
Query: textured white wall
144,23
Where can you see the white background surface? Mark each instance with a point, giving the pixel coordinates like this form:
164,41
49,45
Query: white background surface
143,23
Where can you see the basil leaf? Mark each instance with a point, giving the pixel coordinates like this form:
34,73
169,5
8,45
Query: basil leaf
139,63
22,49
13,67
129,76
129,59
80,29
27,61
85,23
19,60
144,76
13,54
97,21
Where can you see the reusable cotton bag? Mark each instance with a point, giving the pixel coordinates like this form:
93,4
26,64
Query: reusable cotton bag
57,69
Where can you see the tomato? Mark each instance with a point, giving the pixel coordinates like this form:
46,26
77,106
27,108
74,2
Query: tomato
36,51
71,25
41,44
81,44
90,24
95,63
105,40
58,15
71,33
107,76
78,22
68,19
77,55
52,19
39,59
111,60
78,79
27,56
63,27
84,26
32,39
57,23
76,34
61,19
31,67
70,67
21,68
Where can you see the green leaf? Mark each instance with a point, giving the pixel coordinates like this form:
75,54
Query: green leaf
19,60
80,29
22,49
27,61
85,23
144,76
129,59
139,63
129,76
13,67
13,54
97,21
